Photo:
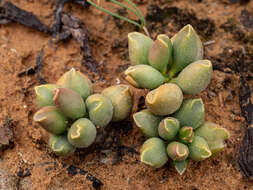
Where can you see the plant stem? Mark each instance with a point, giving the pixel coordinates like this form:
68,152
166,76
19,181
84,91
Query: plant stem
118,16
146,31
126,7
140,15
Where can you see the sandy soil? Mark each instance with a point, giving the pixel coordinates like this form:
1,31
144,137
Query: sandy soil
19,46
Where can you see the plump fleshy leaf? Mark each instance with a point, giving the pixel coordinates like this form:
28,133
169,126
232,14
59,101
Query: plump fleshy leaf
214,136
153,152
164,100
195,77
180,166
51,119
100,109
82,133
147,123
60,145
160,53
168,128
199,149
187,48
45,94
121,99
177,151
191,113
144,76
138,46
69,102
77,82
186,134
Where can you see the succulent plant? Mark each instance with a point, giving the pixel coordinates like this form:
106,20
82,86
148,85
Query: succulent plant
45,94
82,133
121,99
100,109
60,145
168,128
168,68
195,77
186,134
69,102
147,122
51,119
191,113
144,76
177,151
63,110
77,82
138,46
153,152
171,68
164,100
214,136
199,149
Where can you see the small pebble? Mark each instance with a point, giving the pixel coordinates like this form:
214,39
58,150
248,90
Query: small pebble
117,81
211,94
13,50
209,42
128,180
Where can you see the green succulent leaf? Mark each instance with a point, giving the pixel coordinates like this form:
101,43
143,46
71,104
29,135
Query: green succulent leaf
214,136
191,113
177,151
168,128
160,53
144,76
186,134
147,123
153,152
100,109
60,145
199,149
187,48
138,46
195,77
164,100
121,99
77,82
45,94
180,166
69,103
82,133
51,119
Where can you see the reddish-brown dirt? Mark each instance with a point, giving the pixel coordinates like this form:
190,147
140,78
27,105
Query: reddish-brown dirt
19,47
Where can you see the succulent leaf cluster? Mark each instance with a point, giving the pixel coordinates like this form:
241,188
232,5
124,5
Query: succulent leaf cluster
177,139
175,127
71,113
178,60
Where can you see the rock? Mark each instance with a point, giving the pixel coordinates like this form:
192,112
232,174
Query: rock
7,181
25,184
